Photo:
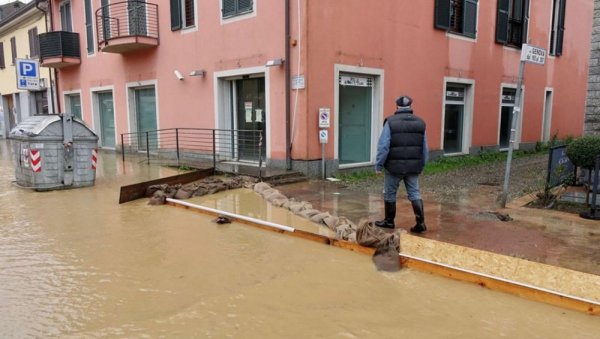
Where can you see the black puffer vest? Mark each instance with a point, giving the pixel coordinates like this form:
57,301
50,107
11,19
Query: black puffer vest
406,144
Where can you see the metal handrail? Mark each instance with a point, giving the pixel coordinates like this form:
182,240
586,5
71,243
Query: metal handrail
194,146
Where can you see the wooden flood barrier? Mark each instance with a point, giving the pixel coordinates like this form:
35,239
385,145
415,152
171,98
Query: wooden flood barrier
485,280
138,191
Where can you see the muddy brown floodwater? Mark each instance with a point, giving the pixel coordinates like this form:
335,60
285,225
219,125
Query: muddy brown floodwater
74,263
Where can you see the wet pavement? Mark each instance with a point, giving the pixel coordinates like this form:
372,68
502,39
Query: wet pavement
545,236
76,264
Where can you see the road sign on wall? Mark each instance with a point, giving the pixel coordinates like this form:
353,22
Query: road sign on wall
532,54
28,74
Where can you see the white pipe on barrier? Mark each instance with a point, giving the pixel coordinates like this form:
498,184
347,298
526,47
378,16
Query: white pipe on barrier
232,215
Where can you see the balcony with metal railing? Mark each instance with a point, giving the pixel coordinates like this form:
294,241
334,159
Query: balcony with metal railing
127,26
59,49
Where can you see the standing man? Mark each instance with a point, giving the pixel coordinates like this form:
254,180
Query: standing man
402,152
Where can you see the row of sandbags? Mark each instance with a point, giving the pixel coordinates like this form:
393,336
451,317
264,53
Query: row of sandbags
159,193
387,245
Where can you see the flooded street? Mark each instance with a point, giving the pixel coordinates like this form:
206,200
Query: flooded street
75,263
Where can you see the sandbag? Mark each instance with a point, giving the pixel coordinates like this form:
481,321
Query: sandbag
158,198
260,187
331,221
319,217
297,207
387,255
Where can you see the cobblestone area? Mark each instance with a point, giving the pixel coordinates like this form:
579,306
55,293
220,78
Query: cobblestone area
528,174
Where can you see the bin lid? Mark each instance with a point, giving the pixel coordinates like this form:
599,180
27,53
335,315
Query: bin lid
49,126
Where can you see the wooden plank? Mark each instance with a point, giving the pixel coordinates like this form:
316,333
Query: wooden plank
487,281
512,287
138,191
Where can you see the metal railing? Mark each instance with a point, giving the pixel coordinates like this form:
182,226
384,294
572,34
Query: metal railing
59,44
195,147
127,18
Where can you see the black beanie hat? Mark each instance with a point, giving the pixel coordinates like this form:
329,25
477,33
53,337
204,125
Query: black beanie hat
404,101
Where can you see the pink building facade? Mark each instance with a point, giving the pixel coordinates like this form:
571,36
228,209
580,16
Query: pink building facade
274,66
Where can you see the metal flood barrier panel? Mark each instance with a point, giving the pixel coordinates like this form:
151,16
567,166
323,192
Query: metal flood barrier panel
54,152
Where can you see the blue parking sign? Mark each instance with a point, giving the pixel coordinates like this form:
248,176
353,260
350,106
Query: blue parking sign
28,74
28,69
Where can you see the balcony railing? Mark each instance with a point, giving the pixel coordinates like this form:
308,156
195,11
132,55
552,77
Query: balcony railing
127,26
59,49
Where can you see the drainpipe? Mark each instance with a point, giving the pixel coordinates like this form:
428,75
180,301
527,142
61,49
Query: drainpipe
53,93
288,143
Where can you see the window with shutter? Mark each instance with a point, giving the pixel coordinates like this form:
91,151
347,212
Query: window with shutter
456,16
558,27
183,14
512,20
232,8
2,63
89,30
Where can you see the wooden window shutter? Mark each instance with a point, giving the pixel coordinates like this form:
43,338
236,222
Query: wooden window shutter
13,49
442,14
34,47
470,18
502,21
175,15
561,28
525,21
2,63
228,8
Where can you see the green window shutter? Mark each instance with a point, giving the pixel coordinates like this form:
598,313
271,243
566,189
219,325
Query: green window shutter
470,18
442,14
228,8
244,6
175,15
561,28
502,21
525,21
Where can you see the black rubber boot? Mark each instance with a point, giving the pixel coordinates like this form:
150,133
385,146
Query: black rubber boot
390,215
419,227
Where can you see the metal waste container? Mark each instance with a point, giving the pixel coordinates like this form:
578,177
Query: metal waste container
54,152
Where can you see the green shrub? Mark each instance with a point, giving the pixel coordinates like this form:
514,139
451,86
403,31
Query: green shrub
583,151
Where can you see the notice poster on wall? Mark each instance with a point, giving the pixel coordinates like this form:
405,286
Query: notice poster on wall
248,108
258,112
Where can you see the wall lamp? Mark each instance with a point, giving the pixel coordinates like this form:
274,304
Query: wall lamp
198,73
274,62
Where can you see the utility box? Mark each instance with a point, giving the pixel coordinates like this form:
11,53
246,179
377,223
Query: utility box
54,152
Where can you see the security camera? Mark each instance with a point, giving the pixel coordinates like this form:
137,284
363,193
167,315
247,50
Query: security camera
178,75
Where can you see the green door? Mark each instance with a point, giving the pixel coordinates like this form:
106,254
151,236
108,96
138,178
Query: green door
145,105
355,124
250,107
107,119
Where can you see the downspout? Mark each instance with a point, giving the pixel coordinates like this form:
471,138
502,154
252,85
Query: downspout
288,143
53,93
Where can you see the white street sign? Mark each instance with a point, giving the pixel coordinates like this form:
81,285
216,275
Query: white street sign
324,117
532,54
28,74
323,136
